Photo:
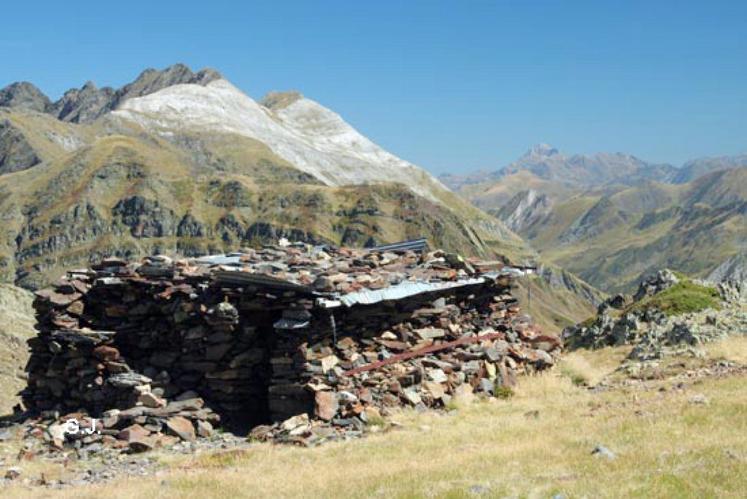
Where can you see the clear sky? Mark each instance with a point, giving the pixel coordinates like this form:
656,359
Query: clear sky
451,86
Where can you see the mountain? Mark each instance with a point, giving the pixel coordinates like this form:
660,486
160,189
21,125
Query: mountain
548,163
699,167
184,163
612,218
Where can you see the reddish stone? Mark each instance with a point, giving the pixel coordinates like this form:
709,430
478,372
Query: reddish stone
106,353
326,405
182,428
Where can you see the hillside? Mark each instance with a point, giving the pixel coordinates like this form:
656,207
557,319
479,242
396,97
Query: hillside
627,217
16,326
184,163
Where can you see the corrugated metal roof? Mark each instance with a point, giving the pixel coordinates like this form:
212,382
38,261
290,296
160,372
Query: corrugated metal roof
229,259
411,245
403,290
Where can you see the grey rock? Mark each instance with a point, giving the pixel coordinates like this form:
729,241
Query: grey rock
603,452
479,490
13,473
128,380
16,153
86,104
24,95
656,283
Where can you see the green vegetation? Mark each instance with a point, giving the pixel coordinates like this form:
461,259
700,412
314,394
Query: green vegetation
684,297
503,392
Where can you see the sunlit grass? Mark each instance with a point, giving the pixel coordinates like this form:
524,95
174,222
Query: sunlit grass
535,444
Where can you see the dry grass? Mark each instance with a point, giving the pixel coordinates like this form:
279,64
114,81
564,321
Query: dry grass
536,444
733,349
16,326
588,368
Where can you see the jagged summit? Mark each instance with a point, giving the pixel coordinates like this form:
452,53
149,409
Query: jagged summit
87,103
24,95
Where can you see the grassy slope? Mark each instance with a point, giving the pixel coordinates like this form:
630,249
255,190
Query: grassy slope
536,444
552,308
201,175
16,326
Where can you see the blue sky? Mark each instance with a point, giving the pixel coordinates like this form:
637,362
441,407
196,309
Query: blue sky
451,86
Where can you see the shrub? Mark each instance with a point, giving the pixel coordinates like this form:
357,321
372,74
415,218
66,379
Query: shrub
684,297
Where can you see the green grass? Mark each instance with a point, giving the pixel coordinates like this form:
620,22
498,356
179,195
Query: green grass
684,297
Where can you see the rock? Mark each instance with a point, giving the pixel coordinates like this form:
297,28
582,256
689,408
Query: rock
142,444
328,363
411,396
13,473
435,389
149,399
181,427
106,353
656,283
7,434
132,432
57,433
128,380
487,386
326,405
296,425
603,452
699,399
478,490
430,333
204,429
437,375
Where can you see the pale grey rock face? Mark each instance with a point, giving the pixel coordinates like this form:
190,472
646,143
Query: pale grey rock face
524,209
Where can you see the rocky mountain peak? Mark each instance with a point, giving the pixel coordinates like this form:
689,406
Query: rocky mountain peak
24,95
87,103
542,149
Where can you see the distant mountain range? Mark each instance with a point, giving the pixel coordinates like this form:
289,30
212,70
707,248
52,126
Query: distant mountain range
183,162
612,218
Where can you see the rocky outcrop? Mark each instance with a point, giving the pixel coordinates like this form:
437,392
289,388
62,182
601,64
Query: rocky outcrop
525,209
87,103
656,283
145,217
15,151
653,333
24,95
